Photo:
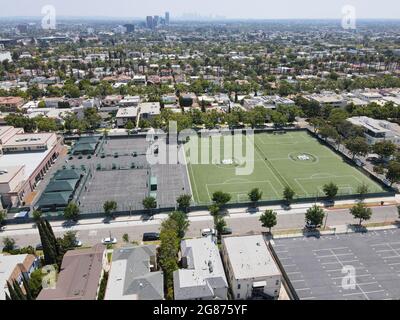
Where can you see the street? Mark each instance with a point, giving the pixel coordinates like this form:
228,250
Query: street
241,224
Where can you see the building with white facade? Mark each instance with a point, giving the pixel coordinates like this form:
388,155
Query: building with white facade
127,114
251,270
5,55
203,277
268,102
377,130
15,267
149,109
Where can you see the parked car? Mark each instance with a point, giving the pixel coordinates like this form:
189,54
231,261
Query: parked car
151,236
109,240
208,232
226,231
312,226
78,243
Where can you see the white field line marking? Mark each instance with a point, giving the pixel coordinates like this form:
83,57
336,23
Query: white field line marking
194,180
263,156
187,169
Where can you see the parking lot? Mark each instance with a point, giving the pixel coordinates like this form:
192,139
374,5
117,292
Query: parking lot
356,266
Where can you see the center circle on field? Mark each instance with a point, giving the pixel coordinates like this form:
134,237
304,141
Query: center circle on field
228,163
303,157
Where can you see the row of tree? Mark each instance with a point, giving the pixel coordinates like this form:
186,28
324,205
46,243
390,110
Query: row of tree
172,231
315,215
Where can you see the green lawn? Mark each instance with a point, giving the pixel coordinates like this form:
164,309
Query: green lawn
295,159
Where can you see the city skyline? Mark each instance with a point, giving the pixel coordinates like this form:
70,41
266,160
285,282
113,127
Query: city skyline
253,9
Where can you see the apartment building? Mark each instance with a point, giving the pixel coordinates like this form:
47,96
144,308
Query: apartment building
80,275
203,276
15,267
377,130
251,269
126,114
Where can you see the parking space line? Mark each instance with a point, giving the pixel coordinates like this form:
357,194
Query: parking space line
324,263
364,292
336,270
357,276
330,249
295,272
337,255
384,244
363,284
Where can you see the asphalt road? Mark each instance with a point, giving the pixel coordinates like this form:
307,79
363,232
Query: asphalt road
241,224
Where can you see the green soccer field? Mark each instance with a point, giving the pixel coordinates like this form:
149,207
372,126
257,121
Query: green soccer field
294,159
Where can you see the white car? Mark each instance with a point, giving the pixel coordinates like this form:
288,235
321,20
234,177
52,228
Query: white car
109,240
78,243
208,232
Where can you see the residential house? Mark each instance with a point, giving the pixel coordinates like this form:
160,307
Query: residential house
134,275
11,104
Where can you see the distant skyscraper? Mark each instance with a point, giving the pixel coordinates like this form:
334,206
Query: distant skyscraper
149,22
156,20
129,27
167,18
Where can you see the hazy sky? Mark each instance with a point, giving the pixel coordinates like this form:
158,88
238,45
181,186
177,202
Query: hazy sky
257,9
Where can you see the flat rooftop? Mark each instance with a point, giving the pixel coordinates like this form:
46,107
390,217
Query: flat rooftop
8,173
378,126
315,265
31,160
127,112
25,139
250,257
7,265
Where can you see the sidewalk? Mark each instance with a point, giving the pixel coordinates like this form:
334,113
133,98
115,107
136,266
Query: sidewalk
342,229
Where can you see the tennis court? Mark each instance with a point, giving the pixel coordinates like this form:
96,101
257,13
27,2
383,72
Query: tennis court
294,159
